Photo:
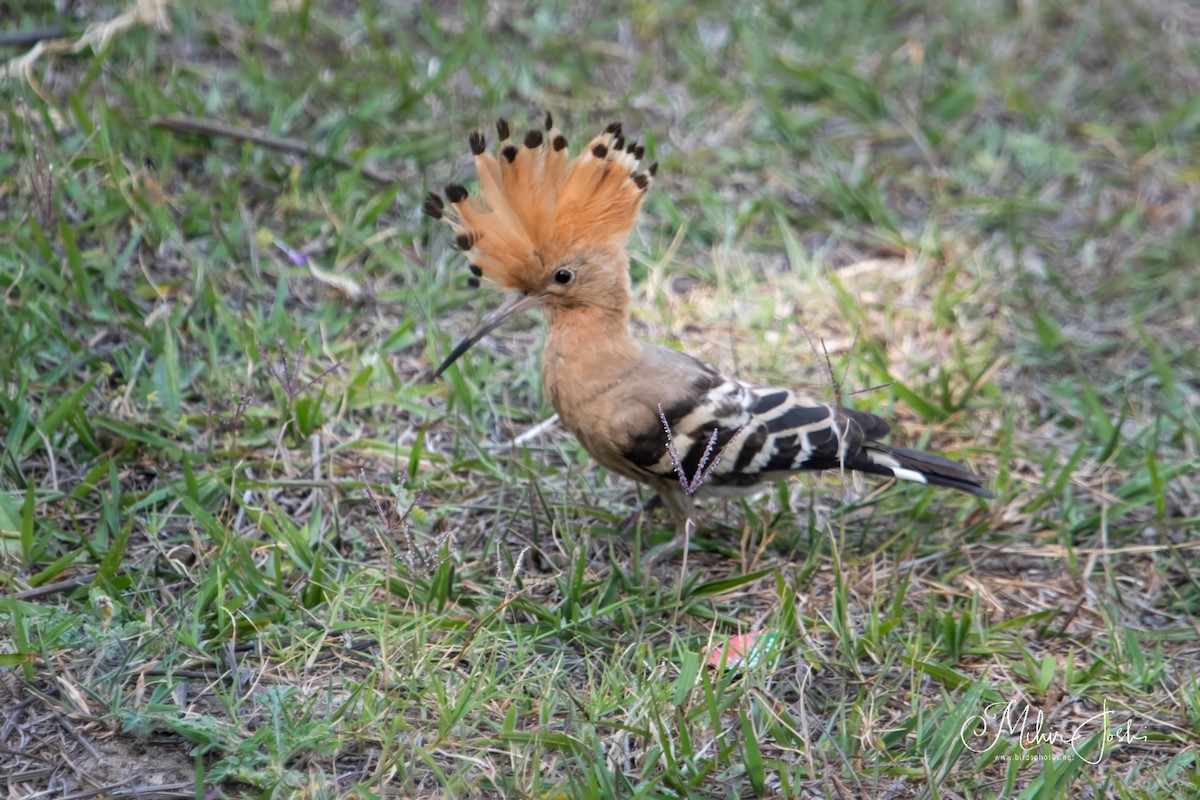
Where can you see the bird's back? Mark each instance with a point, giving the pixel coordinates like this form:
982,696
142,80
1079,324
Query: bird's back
762,434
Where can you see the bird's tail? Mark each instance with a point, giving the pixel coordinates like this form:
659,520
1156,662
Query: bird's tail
913,465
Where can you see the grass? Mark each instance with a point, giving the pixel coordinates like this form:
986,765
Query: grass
249,548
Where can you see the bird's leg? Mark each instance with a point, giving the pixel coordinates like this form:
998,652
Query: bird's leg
681,508
630,522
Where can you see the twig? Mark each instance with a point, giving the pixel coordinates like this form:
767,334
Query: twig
31,36
853,348
536,431
833,381
59,586
23,754
287,144
870,389
837,385
162,790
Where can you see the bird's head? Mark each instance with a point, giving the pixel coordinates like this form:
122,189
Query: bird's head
548,227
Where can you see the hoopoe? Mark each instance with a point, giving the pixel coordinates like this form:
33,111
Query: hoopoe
552,229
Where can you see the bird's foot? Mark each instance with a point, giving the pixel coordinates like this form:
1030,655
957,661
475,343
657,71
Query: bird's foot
630,523
679,542
659,551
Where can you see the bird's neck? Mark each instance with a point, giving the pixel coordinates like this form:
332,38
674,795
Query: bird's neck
589,351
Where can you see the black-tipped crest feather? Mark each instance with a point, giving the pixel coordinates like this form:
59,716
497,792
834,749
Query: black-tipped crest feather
533,210
434,205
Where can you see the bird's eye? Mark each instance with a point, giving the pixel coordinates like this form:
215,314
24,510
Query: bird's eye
564,276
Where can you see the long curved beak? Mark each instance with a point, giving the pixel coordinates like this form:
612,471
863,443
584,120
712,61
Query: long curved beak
514,305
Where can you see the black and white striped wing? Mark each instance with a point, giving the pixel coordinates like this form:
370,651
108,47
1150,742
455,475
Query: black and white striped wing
764,434
761,435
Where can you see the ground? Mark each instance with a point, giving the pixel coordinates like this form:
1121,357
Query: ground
250,547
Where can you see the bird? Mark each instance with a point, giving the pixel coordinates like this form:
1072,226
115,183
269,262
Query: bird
552,230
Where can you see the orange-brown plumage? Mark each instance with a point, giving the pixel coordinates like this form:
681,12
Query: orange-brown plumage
537,207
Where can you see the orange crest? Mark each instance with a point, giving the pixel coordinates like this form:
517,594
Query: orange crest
536,204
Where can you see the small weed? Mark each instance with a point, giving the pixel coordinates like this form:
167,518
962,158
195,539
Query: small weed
692,483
